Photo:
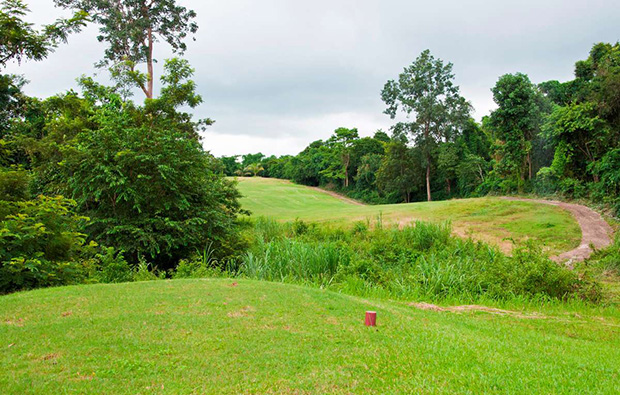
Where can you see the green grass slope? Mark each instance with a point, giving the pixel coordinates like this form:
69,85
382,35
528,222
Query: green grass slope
493,220
216,336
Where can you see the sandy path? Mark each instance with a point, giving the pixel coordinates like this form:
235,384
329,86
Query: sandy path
594,230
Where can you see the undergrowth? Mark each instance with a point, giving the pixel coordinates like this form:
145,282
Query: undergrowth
420,260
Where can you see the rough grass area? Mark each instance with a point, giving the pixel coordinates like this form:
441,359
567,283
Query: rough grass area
220,336
493,220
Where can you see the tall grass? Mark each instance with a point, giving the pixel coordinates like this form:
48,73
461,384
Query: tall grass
295,261
419,260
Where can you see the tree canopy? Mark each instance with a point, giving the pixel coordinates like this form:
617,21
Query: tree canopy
425,92
131,28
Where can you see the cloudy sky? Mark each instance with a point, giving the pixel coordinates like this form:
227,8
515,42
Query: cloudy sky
277,75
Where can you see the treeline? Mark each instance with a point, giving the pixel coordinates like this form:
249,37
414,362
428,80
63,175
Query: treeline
550,139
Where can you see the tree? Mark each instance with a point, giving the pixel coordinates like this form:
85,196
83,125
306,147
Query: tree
20,41
131,28
147,187
339,146
250,159
398,173
515,123
577,127
447,163
230,164
425,91
253,169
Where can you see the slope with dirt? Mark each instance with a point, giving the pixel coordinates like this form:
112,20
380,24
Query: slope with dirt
595,232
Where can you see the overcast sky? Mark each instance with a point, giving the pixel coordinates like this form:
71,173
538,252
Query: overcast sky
277,75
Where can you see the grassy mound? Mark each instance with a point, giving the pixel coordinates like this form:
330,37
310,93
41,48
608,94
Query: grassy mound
493,220
220,336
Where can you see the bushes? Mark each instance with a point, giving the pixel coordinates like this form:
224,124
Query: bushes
421,260
112,267
40,245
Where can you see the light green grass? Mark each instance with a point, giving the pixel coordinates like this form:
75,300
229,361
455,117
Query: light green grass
489,219
208,336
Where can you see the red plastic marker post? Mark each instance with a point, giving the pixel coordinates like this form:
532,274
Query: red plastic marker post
371,318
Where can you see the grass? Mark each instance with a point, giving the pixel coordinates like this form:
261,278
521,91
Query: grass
493,220
418,261
216,336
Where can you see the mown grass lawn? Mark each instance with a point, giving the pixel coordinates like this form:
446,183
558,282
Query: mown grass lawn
493,220
220,336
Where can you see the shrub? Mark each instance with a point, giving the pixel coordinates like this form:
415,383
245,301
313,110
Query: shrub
140,172
420,260
145,272
112,267
40,245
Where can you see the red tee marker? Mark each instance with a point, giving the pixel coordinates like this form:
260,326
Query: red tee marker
371,318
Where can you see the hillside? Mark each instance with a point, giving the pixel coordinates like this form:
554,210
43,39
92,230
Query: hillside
220,336
493,220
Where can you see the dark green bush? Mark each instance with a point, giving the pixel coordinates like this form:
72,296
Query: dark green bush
40,245
112,267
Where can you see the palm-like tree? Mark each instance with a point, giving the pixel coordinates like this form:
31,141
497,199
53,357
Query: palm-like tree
253,169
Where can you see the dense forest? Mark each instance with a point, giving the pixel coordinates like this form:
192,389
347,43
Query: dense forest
551,138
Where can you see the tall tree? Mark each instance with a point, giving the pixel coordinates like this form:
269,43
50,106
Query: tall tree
425,92
131,28
515,123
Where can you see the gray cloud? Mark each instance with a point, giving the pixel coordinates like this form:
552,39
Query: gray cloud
277,75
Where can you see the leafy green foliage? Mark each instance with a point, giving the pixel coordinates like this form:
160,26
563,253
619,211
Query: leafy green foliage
514,124
148,189
40,245
139,172
112,267
397,172
20,41
130,28
426,91
419,260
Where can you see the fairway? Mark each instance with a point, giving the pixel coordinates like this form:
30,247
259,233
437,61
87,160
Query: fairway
220,336
490,219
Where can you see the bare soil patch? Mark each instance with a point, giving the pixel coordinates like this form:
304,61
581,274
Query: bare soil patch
472,307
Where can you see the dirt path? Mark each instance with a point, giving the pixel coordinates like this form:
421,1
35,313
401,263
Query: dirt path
338,196
594,230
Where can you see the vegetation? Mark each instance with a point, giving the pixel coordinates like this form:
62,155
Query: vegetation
97,188
131,29
241,336
497,221
551,139
417,261
20,41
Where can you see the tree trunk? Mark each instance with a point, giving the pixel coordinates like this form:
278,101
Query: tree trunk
428,181
149,65
449,187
